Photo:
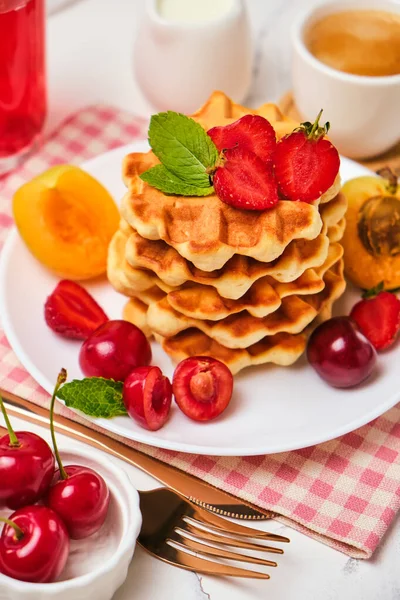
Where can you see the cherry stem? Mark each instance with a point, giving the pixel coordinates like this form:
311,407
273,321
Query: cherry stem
315,125
13,438
62,376
19,534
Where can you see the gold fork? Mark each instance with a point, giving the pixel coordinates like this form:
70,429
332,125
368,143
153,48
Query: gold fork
187,536
184,535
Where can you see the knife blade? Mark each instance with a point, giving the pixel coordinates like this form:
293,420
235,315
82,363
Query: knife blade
197,491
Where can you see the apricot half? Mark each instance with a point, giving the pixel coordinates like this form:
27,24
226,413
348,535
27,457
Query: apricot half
67,219
371,241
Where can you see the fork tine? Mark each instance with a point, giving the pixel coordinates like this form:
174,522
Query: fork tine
201,564
199,545
218,523
224,538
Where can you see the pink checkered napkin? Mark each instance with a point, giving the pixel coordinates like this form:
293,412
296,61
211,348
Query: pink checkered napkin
344,492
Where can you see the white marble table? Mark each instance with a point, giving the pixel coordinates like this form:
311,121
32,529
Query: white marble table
90,60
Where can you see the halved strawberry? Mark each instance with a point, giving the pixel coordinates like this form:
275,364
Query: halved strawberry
72,312
305,163
378,317
251,132
245,181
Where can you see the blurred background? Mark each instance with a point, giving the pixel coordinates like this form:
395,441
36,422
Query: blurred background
90,53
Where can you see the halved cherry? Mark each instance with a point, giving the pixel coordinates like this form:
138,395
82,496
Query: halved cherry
202,387
147,396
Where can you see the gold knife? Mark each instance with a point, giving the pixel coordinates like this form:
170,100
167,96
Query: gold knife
195,490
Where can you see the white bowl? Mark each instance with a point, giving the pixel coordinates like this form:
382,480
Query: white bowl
97,566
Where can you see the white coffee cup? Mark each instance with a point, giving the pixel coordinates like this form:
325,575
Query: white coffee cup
179,63
364,112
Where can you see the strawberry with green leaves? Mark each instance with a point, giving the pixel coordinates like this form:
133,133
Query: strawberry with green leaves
305,163
378,316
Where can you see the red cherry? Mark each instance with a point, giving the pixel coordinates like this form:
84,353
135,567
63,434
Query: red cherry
113,350
81,500
340,353
26,466
147,395
202,387
34,545
78,494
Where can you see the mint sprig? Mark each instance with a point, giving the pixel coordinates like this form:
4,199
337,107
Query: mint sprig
162,179
187,155
94,396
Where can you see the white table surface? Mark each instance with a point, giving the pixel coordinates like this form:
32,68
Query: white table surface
90,60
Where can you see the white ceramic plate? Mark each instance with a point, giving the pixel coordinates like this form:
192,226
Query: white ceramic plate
273,409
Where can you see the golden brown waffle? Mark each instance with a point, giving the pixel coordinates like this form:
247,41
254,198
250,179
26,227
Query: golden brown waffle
135,311
336,232
282,349
242,330
239,273
263,298
245,287
207,231
124,278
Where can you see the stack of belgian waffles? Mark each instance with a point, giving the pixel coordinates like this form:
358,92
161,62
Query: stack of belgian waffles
204,278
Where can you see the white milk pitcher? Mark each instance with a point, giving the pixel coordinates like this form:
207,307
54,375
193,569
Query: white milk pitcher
186,49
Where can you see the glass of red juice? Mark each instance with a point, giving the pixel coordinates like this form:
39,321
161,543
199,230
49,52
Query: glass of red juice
22,78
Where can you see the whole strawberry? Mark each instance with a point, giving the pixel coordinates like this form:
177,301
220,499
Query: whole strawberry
378,317
305,163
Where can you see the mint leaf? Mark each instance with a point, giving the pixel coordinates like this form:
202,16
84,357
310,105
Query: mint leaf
94,396
162,179
183,147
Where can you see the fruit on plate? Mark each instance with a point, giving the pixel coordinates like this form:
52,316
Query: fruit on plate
147,396
113,350
371,240
67,219
378,317
72,312
253,133
202,387
26,466
340,353
245,181
306,164
34,545
78,494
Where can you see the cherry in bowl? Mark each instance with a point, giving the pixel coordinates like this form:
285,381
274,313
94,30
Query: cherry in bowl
34,545
340,353
202,387
113,350
26,466
147,396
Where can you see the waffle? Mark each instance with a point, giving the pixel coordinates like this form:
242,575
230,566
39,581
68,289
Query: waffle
282,349
124,278
263,298
209,232
237,275
246,287
134,262
242,330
